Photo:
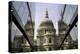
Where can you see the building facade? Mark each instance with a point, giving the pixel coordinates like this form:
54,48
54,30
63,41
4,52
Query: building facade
46,34
62,28
20,41
46,38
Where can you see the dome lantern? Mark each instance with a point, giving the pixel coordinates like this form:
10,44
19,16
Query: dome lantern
46,16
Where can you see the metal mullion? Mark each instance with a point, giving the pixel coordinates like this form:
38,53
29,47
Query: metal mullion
10,26
30,19
68,31
19,27
22,30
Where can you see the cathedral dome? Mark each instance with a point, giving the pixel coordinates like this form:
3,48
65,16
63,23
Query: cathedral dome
46,23
62,25
29,24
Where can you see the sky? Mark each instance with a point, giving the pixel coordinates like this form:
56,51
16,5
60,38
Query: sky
38,13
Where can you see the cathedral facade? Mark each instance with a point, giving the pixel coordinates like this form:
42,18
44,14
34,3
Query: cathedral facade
46,38
20,44
46,34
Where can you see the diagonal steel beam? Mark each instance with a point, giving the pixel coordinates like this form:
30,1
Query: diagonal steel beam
62,14
73,17
27,3
22,30
15,13
30,15
72,25
18,24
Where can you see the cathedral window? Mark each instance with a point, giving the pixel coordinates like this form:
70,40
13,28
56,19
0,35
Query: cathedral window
46,31
44,40
49,40
50,49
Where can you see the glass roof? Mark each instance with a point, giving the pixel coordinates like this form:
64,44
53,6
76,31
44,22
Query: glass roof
38,13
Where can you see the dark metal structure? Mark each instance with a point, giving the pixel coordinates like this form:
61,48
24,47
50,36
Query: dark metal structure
12,18
73,23
69,29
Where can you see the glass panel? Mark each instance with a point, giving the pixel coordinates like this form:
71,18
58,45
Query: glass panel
39,20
